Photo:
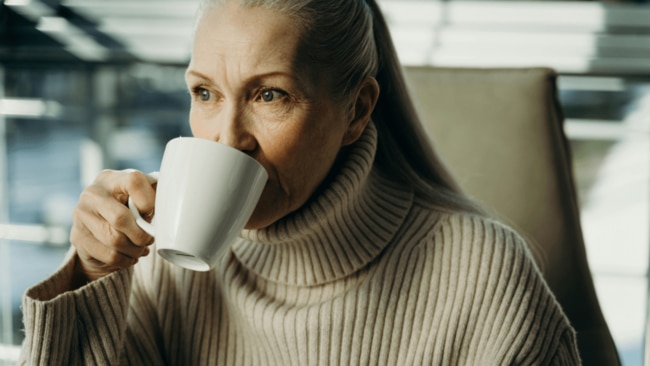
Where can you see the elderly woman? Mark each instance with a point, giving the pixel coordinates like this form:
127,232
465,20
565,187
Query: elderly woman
361,250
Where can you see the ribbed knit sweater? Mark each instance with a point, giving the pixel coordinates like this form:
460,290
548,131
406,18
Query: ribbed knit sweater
368,273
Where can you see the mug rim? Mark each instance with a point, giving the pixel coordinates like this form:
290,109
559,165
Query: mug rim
180,139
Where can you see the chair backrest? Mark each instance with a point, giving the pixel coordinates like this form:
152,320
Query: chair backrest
500,131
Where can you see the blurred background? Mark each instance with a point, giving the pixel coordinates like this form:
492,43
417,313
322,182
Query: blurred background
89,84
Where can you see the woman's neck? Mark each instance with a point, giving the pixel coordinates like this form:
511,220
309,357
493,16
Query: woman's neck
341,230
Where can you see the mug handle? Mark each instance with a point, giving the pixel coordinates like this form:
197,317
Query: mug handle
148,227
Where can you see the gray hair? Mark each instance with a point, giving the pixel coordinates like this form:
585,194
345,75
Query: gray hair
351,41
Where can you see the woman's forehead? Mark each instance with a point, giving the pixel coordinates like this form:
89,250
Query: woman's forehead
252,37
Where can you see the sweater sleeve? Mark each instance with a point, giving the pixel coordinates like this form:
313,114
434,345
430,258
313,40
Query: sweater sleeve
515,319
536,327
88,326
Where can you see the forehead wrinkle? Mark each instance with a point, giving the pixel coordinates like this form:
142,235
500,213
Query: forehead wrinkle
252,50
217,67
250,66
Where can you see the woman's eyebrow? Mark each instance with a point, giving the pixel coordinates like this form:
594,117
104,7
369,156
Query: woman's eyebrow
285,73
191,72
253,79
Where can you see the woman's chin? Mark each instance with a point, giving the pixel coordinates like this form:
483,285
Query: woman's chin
262,218
253,224
272,208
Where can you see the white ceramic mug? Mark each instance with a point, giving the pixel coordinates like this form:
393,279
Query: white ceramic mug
205,195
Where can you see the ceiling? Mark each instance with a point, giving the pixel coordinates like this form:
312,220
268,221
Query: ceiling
574,37
96,31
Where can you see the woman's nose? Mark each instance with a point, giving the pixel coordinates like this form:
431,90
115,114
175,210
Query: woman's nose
232,127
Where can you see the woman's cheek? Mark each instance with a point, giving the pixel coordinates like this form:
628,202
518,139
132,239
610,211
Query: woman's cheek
270,208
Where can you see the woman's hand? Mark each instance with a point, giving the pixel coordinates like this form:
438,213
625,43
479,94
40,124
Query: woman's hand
104,232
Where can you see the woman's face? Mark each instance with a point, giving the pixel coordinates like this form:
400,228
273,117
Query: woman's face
253,90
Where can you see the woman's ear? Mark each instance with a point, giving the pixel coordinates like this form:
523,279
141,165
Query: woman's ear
361,111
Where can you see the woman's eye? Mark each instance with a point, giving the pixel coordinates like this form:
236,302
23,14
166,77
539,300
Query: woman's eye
202,94
271,95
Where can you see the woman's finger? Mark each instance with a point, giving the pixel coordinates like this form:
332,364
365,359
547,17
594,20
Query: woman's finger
97,260
94,225
104,231
109,203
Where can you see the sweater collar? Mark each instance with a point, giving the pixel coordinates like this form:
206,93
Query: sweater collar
337,233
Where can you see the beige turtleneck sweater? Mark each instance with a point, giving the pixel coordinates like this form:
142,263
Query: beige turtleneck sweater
366,274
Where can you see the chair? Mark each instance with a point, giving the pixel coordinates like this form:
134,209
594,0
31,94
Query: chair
500,133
